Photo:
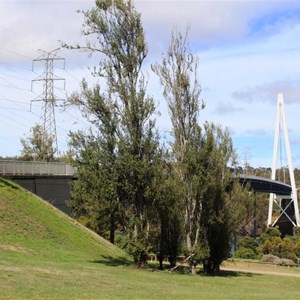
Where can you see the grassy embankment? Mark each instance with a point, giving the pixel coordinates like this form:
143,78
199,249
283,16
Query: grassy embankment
46,255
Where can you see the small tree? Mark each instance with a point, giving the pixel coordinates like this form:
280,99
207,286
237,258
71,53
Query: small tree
38,146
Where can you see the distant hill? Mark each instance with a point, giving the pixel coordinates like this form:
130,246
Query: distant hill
30,226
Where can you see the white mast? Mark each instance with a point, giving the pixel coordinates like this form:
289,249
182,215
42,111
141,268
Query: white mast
281,120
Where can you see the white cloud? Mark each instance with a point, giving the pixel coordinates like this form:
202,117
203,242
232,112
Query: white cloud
212,22
269,92
227,108
26,26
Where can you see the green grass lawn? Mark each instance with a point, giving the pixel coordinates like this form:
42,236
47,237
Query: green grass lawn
46,255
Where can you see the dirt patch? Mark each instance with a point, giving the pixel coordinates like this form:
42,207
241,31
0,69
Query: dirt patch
260,268
14,248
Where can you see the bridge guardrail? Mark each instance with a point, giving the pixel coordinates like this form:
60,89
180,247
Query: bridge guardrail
14,167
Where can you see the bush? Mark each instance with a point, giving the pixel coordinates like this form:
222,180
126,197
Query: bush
245,253
270,232
297,249
288,249
138,251
272,246
247,242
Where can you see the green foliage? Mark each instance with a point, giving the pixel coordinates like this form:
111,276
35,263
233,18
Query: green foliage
297,249
247,248
282,248
202,157
39,146
116,160
166,212
247,242
125,178
269,233
221,211
136,248
246,253
179,79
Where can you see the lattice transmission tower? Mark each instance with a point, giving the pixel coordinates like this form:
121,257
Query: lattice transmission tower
48,78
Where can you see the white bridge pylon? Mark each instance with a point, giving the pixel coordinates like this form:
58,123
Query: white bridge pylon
281,121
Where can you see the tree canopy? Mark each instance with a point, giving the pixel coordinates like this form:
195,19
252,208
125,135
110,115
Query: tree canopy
38,146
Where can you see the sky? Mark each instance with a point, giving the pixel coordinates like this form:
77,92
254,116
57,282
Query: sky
248,53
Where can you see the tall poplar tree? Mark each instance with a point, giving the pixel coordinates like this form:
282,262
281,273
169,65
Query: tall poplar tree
115,35
201,159
178,75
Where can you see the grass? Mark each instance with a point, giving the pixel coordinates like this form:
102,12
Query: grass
46,255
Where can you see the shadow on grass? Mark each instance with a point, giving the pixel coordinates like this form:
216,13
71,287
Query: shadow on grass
229,274
181,270
185,270
113,261
8,183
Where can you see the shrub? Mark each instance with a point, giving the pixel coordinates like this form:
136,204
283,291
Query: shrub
269,233
138,251
288,249
297,249
272,246
247,242
246,253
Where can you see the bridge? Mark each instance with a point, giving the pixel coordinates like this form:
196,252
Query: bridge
282,194
265,185
51,181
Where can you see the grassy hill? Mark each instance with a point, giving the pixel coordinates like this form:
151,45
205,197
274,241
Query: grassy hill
46,255
31,226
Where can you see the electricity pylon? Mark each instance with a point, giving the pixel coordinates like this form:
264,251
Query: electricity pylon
47,97
293,199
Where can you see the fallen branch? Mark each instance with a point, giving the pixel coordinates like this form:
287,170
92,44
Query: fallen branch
174,268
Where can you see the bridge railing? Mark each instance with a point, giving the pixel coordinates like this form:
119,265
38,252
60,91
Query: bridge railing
15,167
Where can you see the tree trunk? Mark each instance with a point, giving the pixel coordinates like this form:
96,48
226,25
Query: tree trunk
161,259
211,267
112,229
172,261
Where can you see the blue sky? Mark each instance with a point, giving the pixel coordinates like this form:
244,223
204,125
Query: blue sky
248,53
